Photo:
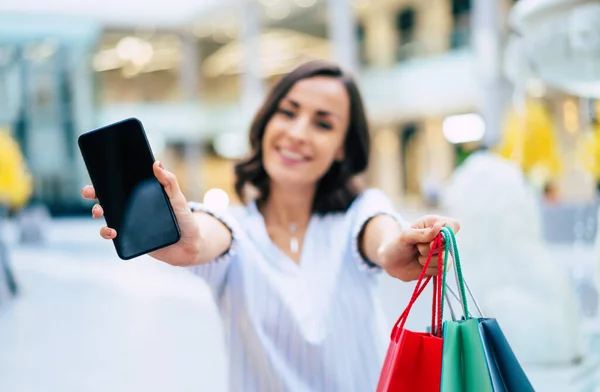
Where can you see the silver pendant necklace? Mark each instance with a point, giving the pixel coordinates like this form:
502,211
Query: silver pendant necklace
294,243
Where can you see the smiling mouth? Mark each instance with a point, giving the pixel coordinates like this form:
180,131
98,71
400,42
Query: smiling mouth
291,155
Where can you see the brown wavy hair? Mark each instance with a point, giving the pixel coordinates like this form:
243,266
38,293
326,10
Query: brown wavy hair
335,190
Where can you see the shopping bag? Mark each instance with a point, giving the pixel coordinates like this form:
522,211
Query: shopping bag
413,361
476,356
505,370
464,363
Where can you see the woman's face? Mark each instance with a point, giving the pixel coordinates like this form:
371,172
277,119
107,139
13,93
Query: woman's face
306,133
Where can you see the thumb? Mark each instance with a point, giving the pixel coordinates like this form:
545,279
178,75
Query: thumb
167,180
417,236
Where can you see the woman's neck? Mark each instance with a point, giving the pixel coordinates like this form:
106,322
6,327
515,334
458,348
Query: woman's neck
288,206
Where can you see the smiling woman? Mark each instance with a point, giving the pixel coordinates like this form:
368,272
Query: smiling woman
321,110
294,269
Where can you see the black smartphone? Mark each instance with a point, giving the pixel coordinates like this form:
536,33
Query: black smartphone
119,161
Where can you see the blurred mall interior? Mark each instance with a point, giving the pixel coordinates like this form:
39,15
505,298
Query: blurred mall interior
442,80
193,72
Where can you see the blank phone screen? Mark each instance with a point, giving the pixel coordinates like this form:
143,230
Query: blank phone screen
119,161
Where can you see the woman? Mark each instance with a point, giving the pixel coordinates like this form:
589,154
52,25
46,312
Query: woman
294,271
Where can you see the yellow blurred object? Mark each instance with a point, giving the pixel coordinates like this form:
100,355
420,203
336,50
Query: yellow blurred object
589,151
15,180
529,139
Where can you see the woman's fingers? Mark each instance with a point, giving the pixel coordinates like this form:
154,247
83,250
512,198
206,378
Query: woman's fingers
424,249
167,180
432,268
88,192
107,233
423,256
431,271
432,264
97,211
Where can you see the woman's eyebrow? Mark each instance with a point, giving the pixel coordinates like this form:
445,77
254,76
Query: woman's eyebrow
325,113
292,102
320,112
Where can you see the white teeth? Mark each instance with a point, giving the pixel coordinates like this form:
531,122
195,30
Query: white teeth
291,155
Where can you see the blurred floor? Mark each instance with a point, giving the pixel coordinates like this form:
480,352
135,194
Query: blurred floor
87,321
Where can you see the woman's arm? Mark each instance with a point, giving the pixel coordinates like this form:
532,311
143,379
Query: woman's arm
211,240
203,237
377,231
214,240
401,252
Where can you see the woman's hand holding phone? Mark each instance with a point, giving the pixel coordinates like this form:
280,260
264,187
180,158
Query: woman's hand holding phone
187,250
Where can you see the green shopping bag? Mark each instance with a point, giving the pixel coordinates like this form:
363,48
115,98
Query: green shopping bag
505,372
464,364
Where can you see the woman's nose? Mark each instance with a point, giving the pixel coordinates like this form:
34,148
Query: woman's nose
298,129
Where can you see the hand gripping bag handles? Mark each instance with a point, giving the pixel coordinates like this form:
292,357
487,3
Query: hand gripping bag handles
476,354
414,359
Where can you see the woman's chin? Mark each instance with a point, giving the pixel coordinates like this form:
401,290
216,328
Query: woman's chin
290,178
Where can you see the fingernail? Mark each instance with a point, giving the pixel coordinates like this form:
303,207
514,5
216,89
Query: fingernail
109,232
161,165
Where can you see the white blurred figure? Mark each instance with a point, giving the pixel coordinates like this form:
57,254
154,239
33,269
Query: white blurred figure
430,190
33,222
216,199
515,278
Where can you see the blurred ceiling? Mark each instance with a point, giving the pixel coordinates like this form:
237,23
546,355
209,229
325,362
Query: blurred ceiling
118,12
280,51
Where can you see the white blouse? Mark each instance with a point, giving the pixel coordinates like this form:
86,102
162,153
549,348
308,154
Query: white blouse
312,326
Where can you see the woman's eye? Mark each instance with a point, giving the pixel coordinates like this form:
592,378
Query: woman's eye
324,125
286,113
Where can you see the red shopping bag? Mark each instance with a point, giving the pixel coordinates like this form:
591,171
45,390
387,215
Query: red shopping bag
414,359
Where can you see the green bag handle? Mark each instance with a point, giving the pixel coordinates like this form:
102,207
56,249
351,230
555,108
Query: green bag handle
461,283
451,243
445,270
443,295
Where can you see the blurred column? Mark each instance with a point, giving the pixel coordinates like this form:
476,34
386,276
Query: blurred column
251,78
193,162
387,163
189,85
439,152
434,25
381,45
77,106
381,37
189,79
488,17
342,33
9,86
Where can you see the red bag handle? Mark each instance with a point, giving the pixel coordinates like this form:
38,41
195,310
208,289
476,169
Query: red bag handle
420,286
436,308
419,289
